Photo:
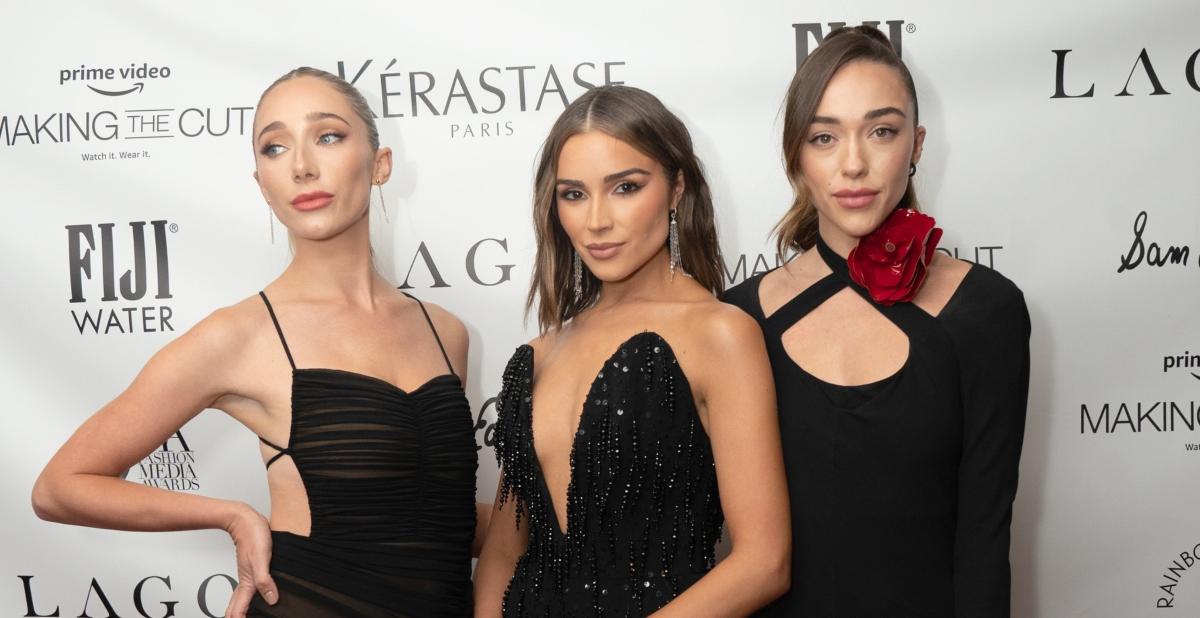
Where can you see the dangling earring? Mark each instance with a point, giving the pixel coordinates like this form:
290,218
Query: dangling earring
271,221
383,204
673,241
577,275
912,169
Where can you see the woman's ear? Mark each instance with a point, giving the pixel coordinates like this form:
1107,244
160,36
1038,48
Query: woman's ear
382,167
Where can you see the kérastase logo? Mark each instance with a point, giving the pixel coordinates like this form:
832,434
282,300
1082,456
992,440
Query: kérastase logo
477,102
113,81
92,269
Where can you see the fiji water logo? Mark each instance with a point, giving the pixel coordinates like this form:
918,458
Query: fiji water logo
809,35
92,251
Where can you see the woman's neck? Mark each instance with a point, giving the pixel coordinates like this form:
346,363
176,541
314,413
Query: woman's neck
841,242
338,269
652,281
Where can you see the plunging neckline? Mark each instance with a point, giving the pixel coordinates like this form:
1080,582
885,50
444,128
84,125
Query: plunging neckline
559,528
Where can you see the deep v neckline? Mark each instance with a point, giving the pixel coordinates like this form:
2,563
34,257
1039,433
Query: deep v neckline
559,528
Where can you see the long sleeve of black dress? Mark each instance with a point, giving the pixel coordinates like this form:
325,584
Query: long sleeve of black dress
990,327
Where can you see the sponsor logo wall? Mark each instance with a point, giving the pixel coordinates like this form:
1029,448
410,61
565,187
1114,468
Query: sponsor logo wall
1060,152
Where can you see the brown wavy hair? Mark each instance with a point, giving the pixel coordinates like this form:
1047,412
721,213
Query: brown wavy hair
797,231
639,119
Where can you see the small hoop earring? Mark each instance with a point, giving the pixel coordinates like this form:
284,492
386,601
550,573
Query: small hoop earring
912,169
673,242
577,276
383,204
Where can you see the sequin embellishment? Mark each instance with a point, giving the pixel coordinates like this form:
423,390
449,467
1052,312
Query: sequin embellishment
643,512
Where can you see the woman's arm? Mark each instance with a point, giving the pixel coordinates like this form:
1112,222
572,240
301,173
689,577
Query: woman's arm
743,427
83,483
992,336
506,542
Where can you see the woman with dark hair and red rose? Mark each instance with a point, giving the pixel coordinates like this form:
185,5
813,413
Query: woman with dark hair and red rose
901,374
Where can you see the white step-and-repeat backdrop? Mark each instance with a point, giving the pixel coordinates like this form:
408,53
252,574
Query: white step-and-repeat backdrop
1062,152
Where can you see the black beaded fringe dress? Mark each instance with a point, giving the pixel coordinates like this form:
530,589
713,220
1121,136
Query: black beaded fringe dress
643,512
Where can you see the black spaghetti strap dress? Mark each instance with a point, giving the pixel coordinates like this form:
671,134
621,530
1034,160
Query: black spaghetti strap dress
390,477
643,512
901,491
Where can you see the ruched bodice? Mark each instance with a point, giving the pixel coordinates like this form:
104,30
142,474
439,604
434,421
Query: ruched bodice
390,479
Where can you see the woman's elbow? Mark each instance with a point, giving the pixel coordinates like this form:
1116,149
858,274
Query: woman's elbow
774,571
774,574
43,498
779,577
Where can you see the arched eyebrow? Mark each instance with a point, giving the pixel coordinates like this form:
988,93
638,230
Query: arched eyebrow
871,115
311,117
884,111
607,179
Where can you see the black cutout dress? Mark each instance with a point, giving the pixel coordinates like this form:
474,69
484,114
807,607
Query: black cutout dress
390,477
901,491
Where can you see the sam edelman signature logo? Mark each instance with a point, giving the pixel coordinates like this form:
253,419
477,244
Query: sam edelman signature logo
97,78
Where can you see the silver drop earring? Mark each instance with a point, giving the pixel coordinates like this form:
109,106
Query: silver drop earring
577,275
673,241
383,204
271,221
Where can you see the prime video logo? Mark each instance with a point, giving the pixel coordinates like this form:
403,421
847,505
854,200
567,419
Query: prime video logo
102,74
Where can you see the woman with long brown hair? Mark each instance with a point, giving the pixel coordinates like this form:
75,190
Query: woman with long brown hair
901,373
354,388
644,415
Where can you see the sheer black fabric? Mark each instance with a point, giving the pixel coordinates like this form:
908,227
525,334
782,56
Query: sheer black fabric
901,491
390,477
643,512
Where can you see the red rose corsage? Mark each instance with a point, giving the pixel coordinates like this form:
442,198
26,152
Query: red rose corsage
892,262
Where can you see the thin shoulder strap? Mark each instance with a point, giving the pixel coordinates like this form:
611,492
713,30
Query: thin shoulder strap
279,330
435,333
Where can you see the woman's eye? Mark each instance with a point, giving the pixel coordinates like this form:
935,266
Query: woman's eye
329,138
821,139
271,150
885,132
628,187
571,195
